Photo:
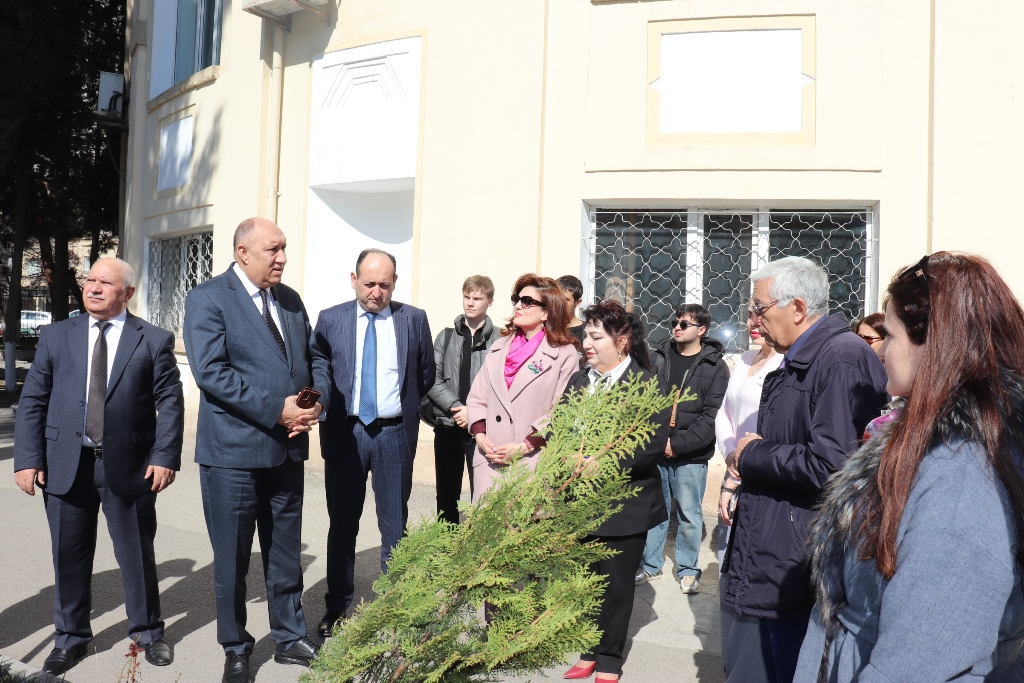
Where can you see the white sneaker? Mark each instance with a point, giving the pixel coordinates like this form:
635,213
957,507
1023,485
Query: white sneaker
689,584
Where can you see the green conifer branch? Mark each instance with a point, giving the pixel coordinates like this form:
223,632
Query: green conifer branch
522,550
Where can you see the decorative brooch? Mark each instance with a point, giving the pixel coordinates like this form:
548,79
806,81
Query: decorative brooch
537,366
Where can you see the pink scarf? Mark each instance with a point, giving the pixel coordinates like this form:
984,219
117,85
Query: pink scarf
520,350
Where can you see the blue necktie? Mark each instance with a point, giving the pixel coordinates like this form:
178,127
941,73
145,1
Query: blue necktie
368,373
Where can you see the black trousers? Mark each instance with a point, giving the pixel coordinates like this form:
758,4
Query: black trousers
453,447
618,599
238,504
131,520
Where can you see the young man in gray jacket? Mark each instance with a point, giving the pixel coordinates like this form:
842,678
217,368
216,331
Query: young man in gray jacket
459,353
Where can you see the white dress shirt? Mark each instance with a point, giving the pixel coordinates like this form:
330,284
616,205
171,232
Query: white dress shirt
389,384
610,377
738,414
113,336
254,294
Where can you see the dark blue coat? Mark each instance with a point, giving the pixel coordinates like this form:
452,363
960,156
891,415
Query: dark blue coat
144,417
813,413
243,376
335,334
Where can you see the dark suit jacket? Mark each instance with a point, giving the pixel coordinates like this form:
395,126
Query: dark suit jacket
244,377
336,335
647,509
143,419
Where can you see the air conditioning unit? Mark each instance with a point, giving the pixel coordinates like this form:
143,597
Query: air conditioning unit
281,10
110,99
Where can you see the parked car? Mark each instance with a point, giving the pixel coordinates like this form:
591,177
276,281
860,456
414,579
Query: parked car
31,321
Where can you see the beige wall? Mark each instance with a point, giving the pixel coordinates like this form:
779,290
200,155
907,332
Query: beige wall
533,109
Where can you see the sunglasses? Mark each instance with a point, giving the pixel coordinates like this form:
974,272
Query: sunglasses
759,309
869,339
682,324
526,301
919,271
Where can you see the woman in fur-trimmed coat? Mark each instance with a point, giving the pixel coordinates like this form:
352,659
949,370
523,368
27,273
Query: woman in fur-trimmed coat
918,546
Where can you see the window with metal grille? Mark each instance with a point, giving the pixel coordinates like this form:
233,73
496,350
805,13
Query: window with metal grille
653,261
176,265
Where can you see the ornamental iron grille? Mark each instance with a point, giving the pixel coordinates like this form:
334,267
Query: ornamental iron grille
176,265
654,261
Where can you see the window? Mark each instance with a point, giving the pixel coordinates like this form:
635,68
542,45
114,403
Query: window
186,39
176,265
653,261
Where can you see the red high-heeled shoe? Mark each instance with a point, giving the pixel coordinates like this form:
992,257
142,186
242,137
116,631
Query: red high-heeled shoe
607,677
578,671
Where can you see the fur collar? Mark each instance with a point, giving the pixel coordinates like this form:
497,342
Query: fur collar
833,532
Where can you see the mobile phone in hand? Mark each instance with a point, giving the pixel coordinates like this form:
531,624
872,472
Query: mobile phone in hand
307,398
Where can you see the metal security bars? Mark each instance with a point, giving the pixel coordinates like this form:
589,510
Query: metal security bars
176,265
653,261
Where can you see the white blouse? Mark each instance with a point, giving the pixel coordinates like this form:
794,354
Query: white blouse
738,414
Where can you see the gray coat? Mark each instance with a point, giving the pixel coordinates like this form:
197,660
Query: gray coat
953,611
448,359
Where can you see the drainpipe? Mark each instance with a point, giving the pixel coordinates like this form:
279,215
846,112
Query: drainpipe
274,124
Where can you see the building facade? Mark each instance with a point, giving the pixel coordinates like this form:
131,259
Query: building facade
660,150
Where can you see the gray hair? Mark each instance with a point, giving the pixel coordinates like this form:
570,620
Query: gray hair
127,272
243,231
795,277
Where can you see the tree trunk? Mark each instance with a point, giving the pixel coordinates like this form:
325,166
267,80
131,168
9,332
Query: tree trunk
13,313
60,283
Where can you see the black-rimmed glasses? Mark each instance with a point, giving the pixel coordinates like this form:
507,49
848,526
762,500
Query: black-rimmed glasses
759,309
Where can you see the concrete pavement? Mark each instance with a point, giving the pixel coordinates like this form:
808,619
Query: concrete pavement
672,636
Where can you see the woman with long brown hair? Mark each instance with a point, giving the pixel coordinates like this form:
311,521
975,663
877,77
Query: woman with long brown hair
918,547
523,376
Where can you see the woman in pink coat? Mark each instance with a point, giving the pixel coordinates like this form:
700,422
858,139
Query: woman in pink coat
523,376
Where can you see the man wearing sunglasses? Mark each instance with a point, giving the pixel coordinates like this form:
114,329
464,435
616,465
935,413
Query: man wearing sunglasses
689,360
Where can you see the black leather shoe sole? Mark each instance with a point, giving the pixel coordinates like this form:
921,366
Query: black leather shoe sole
60,660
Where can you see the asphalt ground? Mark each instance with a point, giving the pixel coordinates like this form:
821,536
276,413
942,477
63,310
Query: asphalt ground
672,637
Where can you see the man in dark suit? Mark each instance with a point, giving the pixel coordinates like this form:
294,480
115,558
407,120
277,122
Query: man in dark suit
382,360
250,346
100,423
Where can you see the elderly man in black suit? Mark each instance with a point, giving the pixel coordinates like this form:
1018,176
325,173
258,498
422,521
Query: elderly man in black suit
100,424
249,343
382,359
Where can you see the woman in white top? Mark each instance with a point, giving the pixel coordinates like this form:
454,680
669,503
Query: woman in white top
741,641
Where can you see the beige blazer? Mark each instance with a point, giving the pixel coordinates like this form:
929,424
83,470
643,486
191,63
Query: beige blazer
513,413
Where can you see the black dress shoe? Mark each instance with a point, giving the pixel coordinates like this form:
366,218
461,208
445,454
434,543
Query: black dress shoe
236,668
328,622
301,652
60,660
159,653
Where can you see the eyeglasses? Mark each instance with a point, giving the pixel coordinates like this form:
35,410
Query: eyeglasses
682,324
869,339
919,271
526,301
759,309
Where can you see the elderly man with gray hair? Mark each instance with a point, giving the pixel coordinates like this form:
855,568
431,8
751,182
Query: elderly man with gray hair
814,409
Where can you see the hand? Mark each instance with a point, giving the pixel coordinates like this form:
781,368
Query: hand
485,444
668,450
27,479
461,415
511,450
733,461
162,477
724,515
297,419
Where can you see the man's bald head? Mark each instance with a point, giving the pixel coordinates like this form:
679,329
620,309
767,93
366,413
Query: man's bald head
259,251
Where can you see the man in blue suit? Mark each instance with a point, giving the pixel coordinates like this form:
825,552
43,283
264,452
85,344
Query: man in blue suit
250,346
100,423
382,359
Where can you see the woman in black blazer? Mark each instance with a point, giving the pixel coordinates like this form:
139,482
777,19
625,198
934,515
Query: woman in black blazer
616,351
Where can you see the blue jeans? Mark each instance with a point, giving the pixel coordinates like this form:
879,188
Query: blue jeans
682,483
